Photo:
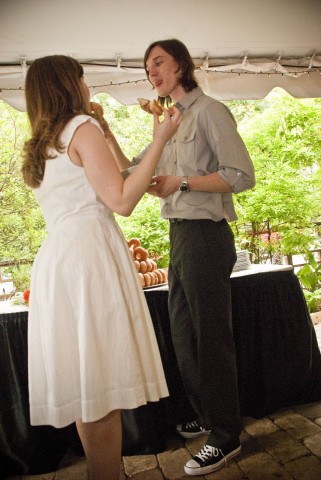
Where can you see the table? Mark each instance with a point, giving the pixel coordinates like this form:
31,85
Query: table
278,359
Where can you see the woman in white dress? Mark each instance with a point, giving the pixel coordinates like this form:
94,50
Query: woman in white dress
92,347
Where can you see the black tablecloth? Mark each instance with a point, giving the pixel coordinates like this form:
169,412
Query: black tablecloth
279,361
279,364
23,449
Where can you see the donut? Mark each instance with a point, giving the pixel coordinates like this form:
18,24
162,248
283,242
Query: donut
159,276
155,273
140,254
141,279
133,242
154,264
142,266
150,106
156,277
164,275
137,265
149,265
147,279
153,277
154,107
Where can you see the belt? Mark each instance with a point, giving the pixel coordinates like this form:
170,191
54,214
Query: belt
176,220
179,220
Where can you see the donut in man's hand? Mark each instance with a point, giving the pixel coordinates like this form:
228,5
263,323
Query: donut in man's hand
150,106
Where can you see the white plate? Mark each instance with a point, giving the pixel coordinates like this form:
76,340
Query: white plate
155,286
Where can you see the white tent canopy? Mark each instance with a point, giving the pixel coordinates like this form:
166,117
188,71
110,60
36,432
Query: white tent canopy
241,48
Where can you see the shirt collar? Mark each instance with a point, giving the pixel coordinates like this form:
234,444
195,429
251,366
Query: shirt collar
189,98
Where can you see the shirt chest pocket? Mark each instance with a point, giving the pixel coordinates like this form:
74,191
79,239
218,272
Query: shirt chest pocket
185,147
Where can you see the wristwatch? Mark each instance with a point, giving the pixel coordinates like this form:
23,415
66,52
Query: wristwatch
184,185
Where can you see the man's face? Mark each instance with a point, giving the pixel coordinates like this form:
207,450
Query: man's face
164,74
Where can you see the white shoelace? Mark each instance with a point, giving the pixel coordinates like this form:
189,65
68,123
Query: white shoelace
208,451
193,424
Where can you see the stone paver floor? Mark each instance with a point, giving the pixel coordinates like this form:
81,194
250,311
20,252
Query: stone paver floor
285,446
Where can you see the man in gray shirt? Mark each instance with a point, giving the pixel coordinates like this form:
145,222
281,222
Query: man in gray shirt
201,167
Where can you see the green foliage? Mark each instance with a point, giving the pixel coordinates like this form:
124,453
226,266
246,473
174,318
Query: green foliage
310,278
130,124
283,136
146,224
21,223
313,300
21,276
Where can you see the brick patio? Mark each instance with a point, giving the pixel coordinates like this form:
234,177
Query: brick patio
285,446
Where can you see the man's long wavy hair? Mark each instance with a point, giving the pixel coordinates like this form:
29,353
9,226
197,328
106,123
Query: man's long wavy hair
181,55
53,97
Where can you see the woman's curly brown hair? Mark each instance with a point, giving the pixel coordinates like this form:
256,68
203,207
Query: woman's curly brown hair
53,97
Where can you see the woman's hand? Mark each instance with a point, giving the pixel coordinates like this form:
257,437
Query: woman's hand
97,109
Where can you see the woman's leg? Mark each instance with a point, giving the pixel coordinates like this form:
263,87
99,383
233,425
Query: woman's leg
102,442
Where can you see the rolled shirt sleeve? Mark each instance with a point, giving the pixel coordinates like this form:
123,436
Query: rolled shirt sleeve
238,180
233,161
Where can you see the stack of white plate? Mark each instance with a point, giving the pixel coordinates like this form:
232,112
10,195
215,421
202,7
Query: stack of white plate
242,261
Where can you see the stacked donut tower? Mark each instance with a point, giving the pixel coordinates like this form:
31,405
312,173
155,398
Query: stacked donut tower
149,274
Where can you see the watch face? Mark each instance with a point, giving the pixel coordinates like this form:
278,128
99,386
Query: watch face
184,185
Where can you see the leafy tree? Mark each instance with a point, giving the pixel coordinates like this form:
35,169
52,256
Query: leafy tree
284,141
22,228
21,223
146,224
282,135
130,124
310,278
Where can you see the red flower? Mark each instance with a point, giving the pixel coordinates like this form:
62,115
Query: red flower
26,295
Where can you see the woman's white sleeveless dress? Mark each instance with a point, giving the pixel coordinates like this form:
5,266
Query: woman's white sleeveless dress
91,343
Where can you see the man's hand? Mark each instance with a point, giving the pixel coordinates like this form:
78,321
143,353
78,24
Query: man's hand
164,185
